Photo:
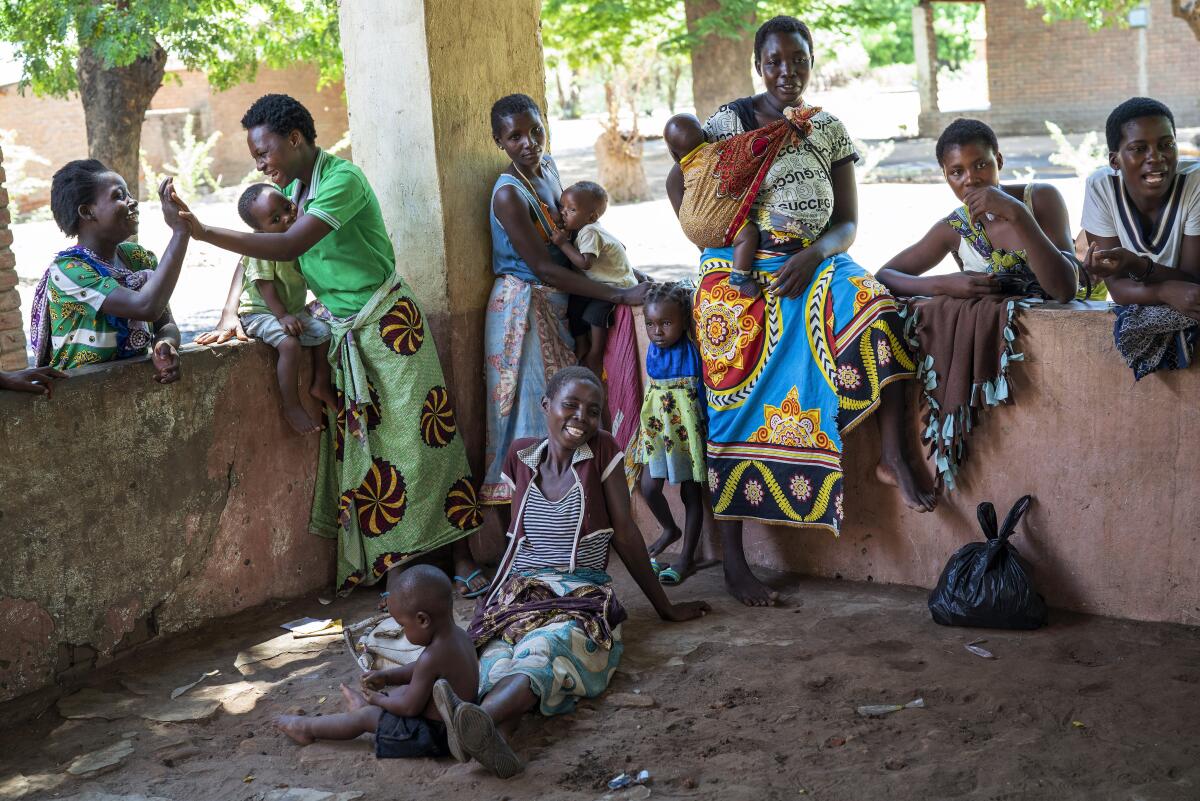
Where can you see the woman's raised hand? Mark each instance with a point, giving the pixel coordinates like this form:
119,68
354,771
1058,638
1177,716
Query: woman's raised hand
688,610
796,274
194,227
993,203
172,207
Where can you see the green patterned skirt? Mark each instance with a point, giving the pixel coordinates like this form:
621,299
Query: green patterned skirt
393,480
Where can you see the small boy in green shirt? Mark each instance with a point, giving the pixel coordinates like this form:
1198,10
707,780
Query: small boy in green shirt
271,308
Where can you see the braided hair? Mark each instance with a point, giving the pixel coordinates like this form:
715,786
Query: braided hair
675,292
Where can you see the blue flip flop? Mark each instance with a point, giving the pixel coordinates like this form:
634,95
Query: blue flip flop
670,577
466,582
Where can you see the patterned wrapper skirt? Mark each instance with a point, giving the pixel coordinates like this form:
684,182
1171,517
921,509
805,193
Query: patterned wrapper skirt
785,378
671,445
393,480
525,341
561,630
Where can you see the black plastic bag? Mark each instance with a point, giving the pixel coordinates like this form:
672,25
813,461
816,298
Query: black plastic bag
987,584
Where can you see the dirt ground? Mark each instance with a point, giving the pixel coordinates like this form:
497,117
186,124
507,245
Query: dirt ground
744,704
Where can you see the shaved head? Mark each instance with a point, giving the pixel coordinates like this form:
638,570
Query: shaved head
421,588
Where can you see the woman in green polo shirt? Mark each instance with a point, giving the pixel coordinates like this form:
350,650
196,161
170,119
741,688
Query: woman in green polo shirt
393,480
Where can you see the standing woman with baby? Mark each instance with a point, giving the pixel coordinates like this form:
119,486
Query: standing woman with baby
526,337
393,480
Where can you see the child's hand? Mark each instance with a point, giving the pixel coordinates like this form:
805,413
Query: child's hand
373,680
372,697
166,362
290,324
689,610
560,237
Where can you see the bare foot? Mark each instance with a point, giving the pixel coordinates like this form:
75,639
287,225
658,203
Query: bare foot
293,726
354,699
669,536
745,587
899,475
300,420
325,393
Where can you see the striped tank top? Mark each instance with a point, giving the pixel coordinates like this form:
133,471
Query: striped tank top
550,531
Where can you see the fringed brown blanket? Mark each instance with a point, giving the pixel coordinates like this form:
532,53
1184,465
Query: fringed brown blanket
964,348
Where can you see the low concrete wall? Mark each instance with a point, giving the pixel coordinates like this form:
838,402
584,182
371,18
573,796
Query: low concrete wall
131,509
1113,465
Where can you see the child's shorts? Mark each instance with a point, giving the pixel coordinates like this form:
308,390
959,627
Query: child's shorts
409,738
268,329
585,313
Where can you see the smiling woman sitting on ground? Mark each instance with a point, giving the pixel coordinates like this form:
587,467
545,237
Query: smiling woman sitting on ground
550,630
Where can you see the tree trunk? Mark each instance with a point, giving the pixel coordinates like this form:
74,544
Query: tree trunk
722,66
619,154
115,100
674,70
1189,12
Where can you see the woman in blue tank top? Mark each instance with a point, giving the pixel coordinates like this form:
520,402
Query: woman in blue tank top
525,334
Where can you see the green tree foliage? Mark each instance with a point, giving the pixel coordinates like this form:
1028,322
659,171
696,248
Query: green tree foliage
226,38
1102,13
1096,13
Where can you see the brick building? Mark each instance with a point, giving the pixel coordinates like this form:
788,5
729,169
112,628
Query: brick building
54,127
12,337
1065,72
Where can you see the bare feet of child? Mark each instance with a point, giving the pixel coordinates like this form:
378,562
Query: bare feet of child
898,474
324,392
354,699
300,420
665,540
295,727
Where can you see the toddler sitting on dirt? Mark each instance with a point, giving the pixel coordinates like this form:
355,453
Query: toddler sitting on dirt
271,307
405,721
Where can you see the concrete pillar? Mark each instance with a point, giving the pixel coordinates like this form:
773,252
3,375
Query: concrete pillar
925,53
12,335
421,77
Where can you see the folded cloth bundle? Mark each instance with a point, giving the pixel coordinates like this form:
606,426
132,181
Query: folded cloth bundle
1153,338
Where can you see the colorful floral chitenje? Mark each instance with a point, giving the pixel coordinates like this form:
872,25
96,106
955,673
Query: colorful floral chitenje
67,328
393,480
785,379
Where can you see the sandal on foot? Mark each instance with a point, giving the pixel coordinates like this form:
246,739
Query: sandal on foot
670,577
477,736
656,567
447,704
466,582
